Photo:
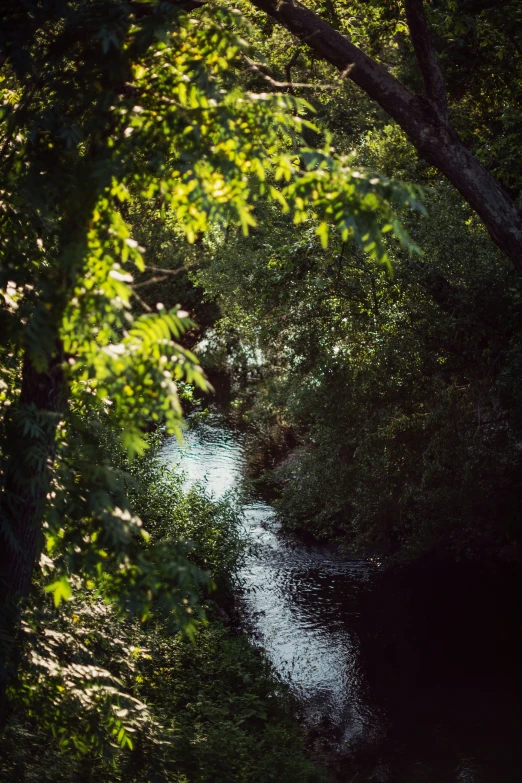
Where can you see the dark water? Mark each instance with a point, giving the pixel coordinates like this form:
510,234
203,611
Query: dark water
409,678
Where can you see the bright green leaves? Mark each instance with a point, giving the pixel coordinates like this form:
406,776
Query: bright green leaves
323,232
216,145
356,203
136,377
121,365
61,590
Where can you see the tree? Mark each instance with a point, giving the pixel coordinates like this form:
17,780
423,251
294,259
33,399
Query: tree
106,105
426,119
399,395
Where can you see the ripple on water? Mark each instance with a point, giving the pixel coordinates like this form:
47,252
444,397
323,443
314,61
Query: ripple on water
302,606
296,597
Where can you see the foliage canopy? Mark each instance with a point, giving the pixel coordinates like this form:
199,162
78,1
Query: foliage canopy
133,134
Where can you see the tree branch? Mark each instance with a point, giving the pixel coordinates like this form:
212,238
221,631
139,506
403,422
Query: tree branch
330,45
422,120
421,39
288,69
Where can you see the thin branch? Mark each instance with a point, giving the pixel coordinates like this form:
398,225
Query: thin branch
330,45
176,271
429,67
256,67
157,279
144,304
164,274
288,69
340,263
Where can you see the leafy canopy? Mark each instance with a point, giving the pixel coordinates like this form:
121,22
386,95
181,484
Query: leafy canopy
105,105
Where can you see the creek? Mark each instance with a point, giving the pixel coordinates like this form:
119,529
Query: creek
410,678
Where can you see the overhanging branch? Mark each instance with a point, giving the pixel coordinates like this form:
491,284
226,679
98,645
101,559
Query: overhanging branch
372,77
424,121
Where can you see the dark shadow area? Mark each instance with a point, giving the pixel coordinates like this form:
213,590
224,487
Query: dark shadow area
440,647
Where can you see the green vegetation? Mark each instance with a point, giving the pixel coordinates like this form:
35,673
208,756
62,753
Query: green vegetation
305,195
400,387
401,390
104,697
111,112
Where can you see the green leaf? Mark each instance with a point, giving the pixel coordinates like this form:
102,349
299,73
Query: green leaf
61,590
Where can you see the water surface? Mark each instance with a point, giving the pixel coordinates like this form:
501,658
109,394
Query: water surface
402,684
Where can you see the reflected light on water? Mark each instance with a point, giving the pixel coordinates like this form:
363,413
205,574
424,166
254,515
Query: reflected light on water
407,684
294,596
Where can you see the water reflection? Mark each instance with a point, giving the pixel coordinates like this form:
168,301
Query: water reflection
389,678
297,598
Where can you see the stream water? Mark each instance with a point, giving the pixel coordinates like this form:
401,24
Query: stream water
401,683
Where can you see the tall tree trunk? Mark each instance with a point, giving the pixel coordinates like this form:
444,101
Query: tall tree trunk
423,118
31,431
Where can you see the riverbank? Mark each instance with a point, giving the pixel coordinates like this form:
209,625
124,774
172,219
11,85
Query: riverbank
104,695
389,666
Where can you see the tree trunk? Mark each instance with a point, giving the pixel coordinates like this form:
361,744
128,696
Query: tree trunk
444,150
423,119
31,434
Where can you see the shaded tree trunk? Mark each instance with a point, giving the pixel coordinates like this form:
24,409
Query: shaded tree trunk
424,119
31,434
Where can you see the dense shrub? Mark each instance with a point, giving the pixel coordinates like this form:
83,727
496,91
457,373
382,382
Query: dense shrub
102,696
400,384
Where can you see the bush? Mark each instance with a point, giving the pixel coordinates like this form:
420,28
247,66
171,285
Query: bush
102,696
